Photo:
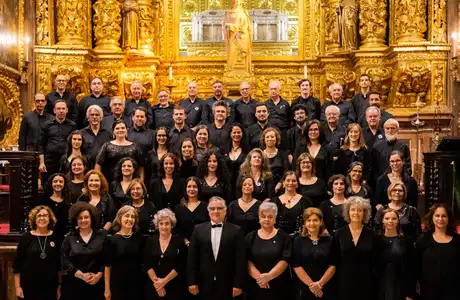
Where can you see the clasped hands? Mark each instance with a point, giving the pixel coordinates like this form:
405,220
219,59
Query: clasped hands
193,289
159,284
263,280
91,278
316,289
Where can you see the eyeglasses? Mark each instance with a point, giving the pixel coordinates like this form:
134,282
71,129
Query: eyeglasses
395,161
305,162
46,216
218,208
398,191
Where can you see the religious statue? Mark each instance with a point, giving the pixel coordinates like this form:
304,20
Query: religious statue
237,27
349,24
130,25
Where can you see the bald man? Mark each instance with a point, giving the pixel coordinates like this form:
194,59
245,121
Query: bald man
280,114
195,107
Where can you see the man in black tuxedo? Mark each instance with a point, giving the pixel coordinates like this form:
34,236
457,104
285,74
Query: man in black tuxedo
216,263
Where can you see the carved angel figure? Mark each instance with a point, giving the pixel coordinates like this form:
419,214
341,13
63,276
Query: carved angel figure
130,25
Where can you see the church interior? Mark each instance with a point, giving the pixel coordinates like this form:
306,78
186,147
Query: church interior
408,48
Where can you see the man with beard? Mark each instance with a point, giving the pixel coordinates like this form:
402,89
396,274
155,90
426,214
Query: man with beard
96,98
256,129
245,107
360,101
333,132
218,90
195,107
380,154
179,131
219,130
375,99
295,134
137,101
163,111
311,103
347,112
139,133
117,107
61,93
280,111
373,132
94,135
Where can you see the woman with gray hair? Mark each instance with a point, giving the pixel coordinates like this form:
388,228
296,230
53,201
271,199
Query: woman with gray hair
268,250
356,246
165,259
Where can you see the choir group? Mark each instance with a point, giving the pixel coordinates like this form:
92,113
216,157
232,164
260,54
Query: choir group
221,199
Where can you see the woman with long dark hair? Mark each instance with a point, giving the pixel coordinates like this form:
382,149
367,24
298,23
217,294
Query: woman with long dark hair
77,177
355,180
187,157
126,172
215,177
235,155
160,148
203,144
244,211
137,198
75,147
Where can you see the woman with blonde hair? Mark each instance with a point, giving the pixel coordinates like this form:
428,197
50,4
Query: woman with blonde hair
313,258
36,267
256,166
270,140
124,256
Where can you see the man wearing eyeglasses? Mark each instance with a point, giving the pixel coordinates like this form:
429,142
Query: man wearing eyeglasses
61,92
219,271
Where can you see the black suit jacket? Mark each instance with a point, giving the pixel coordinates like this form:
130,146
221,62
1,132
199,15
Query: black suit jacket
216,278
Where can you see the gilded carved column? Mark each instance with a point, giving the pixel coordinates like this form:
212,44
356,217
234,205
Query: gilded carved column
409,20
146,25
107,25
72,22
332,25
373,24
44,22
437,21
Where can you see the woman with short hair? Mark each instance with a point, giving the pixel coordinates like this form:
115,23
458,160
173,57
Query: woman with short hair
268,250
165,259
36,266
310,186
270,140
146,210
123,272
333,208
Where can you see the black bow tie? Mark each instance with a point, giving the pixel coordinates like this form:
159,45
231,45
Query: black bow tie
216,225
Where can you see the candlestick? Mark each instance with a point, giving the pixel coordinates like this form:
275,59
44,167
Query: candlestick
26,48
305,71
170,73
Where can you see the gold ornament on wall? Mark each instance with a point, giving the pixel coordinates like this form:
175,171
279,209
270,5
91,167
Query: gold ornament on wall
411,84
130,25
107,25
72,22
42,31
373,24
146,27
410,20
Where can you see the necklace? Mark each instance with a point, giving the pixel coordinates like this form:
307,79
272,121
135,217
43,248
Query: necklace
234,149
289,200
314,242
126,236
42,249
245,200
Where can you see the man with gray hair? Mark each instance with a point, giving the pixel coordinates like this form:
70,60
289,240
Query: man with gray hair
136,89
94,135
372,132
333,133
117,107
347,112
216,263
280,115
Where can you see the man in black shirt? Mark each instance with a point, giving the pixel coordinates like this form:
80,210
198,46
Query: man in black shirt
32,124
219,130
163,111
218,90
61,93
53,140
137,101
195,108
180,131
280,112
347,112
139,133
313,104
360,101
256,129
97,98
245,107
94,135
375,99
373,132
117,107
334,134
294,134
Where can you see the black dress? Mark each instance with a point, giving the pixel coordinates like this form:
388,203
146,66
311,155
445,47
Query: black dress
248,221
146,213
39,277
76,189
174,258
383,183
86,257
234,168
186,219
124,256
409,221
279,164
118,195
355,264
167,199
438,267
110,155
105,207
188,168
316,192
346,157
314,260
364,192
394,270
265,254
323,161
290,220
332,216
218,189
264,189
152,165
61,212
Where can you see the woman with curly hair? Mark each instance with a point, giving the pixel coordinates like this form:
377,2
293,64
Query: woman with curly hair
256,166
36,266
214,176
75,147
188,162
437,256
235,155
97,194
168,189
58,199
126,172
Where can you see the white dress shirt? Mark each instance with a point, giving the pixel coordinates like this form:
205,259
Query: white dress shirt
216,234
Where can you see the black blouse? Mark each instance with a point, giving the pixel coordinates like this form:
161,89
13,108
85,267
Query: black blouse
316,192
188,168
167,199
248,221
186,219
279,164
61,212
323,161
332,216
118,195
383,183
234,168
218,189
264,189
152,166
346,157
290,220
76,189
146,213
409,221
105,207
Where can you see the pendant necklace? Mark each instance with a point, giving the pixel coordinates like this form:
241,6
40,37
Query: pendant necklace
42,249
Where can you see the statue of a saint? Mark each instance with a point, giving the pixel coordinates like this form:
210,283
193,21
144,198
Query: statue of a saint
349,25
130,25
237,27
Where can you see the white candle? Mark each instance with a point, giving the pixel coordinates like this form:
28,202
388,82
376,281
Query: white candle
170,73
26,49
305,71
